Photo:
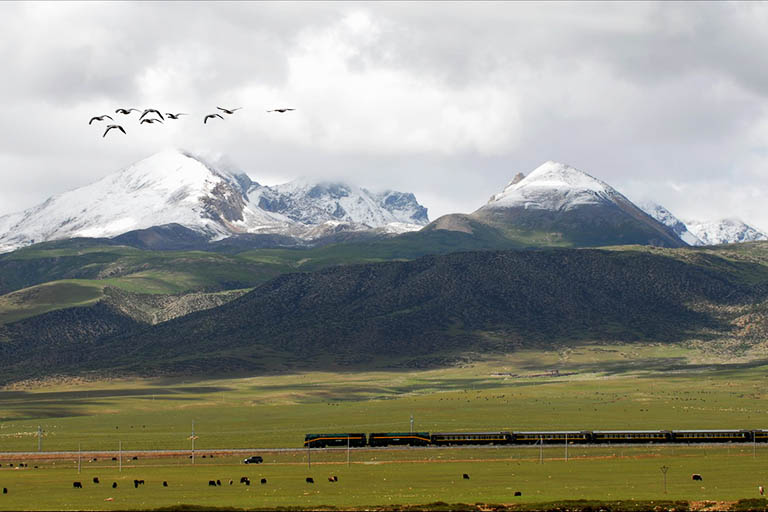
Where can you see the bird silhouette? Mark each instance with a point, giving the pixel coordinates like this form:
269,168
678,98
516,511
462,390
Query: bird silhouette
281,110
228,110
100,118
211,116
175,116
126,111
150,121
148,110
109,127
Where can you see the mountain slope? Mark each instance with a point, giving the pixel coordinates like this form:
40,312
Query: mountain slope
174,187
562,206
666,217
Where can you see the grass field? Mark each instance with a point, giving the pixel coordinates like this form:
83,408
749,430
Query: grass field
426,476
598,387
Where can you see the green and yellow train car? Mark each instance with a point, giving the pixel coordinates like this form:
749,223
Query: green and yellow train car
399,438
325,440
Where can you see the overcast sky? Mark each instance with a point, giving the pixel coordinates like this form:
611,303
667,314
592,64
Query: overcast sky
447,100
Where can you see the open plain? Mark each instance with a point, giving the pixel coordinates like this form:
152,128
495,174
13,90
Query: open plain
588,387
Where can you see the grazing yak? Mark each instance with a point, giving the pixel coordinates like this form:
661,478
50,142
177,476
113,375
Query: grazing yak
696,476
211,483
95,479
310,480
77,485
518,493
333,478
465,476
114,485
165,484
263,480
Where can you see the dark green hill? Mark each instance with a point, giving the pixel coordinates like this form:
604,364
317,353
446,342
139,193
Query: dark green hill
430,312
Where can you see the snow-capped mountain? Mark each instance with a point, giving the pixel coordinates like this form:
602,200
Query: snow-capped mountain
725,231
560,205
177,187
556,187
574,208
666,217
310,202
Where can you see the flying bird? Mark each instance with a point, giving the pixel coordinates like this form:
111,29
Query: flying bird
281,110
126,111
175,116
148,110
109,127
150,121
228,110
100,118
211,116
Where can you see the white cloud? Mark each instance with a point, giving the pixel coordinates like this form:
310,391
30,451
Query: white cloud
447,100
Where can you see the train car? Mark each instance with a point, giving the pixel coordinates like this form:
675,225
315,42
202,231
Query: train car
398,438
711,436
631,436
552,437
760,436
457,438
325,440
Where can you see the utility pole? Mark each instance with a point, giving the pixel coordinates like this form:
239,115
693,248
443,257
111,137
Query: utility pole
78,458
566,447
309,455
411,423
120,456
39,438
347,451
193,437
664,470
541,449
754,446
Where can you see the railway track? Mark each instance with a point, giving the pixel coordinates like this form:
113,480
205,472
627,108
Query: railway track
128,454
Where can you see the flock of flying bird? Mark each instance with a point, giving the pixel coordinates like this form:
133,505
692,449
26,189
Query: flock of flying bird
168,115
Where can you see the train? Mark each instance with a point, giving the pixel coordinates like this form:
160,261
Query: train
375,439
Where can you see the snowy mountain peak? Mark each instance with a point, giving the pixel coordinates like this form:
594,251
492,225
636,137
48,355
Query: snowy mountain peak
554,186
666,217
724,231
178,187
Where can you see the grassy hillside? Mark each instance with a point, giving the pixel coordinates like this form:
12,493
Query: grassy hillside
43,298
429,312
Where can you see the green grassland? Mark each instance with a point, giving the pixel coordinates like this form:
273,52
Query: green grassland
622,386
633,476
598,387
